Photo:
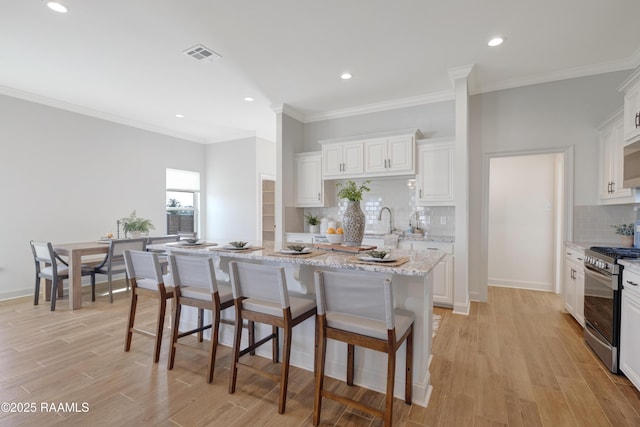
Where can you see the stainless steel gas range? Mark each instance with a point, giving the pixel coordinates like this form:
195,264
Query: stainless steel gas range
602,298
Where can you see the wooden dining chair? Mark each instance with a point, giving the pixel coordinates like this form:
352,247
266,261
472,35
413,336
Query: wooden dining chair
260,295
195,285
54,270
113,262
145,274
359,310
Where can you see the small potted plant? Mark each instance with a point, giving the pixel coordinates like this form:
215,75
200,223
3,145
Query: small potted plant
626,233
135,227
313,222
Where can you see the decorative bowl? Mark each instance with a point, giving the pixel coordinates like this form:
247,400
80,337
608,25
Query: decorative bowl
238,244
190,240
335,238
297,248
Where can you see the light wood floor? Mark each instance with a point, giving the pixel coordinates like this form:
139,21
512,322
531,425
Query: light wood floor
517,360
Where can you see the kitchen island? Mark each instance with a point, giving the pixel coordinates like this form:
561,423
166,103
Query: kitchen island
412,286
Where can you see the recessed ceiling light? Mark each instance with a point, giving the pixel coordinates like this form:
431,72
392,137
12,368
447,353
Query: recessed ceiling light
249,99
56,6
496,41
346,76
179,116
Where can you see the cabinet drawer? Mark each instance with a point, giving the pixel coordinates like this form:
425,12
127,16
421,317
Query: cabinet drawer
631,282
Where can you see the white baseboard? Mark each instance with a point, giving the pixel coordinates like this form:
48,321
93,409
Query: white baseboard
522,284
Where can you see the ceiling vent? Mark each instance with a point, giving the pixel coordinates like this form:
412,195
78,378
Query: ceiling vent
202,53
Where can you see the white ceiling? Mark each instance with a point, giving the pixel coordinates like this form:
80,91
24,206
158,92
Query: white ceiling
122,59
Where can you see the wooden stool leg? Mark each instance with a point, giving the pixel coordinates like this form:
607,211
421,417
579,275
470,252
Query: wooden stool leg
47,290
391,374
36,296
132,317
284,376
200,324
162,309
177,308
213,345
275,347
93,287
321,353
409,364
350,363
252,336
60,289
233,372
54,291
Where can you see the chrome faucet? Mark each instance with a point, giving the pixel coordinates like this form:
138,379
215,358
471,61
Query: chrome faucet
390,218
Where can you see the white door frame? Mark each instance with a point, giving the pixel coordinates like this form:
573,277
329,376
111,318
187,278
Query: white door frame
565,215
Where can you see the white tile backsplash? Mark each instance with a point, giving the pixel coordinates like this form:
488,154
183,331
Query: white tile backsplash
399,195
593,223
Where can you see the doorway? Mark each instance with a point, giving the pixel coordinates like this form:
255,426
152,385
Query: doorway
525,227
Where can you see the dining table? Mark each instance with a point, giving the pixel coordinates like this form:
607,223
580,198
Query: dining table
75,252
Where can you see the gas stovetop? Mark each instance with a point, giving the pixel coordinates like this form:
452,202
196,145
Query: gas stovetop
616,253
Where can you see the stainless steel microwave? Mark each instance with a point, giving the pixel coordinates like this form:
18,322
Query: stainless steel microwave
631,171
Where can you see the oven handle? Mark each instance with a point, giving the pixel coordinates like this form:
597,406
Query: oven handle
602,278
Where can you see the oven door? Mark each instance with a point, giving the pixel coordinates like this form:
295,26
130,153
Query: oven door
599,303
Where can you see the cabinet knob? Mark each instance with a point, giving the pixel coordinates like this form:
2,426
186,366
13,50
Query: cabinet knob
638,120
632,283
420,193
318,196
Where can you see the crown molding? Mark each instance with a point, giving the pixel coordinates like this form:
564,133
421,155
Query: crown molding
67,106
569,73
381,106
232,137
289,111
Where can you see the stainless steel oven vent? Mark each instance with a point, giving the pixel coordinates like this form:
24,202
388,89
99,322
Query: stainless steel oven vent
202,53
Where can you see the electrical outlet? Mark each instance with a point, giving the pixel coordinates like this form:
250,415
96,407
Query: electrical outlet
443,220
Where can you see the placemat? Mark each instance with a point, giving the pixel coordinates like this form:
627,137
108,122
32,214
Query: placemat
399,261
308,255
341,248
191,245
239,251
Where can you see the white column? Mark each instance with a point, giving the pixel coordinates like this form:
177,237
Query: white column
460,79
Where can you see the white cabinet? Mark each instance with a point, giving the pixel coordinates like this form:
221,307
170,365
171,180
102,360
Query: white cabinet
436,168
611,164
573,283
630,321
631,89
390,156
309,186
342,160
442,273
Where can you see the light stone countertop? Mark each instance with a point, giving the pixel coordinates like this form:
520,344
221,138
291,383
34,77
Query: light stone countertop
582,245
420,262
630,264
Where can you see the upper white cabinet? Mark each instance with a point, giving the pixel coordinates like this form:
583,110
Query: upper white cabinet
612,144
390,156
631,89
383,154
309,186
342,160
436,169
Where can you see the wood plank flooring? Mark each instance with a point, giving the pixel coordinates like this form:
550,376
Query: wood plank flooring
517,360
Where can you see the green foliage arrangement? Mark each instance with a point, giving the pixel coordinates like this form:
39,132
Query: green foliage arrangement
312,220
351,192
133,223
624,229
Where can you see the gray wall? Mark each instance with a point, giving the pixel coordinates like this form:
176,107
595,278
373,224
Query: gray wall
434,120
544,116
66,177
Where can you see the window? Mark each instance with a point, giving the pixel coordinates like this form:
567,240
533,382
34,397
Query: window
183,202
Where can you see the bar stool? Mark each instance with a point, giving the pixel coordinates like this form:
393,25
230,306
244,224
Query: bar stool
144,272
195,285
260,295
358,310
